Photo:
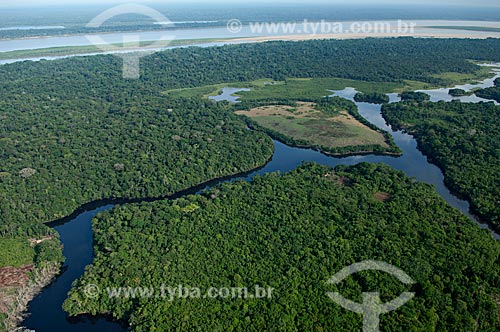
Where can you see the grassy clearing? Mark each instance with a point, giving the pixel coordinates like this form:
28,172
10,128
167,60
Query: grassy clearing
295,88
382,196
215,89
201,92
15,252
307,123
460,78
314,88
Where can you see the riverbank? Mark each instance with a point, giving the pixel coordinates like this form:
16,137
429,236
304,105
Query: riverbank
340,132
279,216
19,287
42,47
53,53
80,250
76,230
67,51
365,35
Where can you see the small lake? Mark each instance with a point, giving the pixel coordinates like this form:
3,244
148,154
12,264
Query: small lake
46,314
228,94
442,94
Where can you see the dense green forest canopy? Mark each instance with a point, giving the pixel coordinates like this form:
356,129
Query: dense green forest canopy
66,124
463,139
17,252
489,93
379,60
63,153
73,130
292,232
415,96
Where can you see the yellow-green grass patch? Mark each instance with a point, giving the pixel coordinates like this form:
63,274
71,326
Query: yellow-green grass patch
306,122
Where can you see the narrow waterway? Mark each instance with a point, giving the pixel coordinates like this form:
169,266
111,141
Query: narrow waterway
46,314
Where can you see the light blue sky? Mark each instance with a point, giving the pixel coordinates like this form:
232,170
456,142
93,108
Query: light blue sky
41,3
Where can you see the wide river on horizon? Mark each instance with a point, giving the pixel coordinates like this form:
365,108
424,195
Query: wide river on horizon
306,29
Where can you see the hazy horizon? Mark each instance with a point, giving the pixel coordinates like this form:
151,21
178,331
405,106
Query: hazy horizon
49,3
74,14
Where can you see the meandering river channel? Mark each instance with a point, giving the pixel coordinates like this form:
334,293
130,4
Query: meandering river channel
45,312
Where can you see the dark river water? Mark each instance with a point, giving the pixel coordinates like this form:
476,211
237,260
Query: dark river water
45,312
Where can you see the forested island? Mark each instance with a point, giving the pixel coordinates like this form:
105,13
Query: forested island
463,140
372,98
415,96
457,92
292,232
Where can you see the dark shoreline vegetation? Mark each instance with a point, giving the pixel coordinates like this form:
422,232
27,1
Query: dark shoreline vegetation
490,93
372,98
291,232
91,49
74,131
463,140
414,96
457,92
80,31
